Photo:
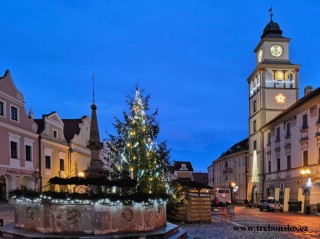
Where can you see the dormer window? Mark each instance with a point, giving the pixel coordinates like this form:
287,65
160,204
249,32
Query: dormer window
183,166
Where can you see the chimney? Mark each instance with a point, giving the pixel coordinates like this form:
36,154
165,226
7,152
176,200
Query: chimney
307,90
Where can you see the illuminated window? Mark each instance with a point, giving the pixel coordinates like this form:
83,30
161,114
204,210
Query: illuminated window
279,75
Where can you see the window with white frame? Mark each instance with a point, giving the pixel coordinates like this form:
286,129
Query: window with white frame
28,147
14,113
28,152
47,158
2,108
14,146
13,150
62,156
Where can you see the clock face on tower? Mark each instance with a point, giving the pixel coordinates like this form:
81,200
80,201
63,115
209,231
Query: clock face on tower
276,50
260,52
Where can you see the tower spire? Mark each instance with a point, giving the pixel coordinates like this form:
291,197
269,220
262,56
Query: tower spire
94,140
93,89
271,14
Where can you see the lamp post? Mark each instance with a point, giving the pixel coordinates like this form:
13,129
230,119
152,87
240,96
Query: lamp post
306,189
233,185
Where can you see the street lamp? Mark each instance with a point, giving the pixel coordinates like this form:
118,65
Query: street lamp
306,189
234,188
306,173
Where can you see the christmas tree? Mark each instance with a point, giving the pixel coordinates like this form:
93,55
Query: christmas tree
137,154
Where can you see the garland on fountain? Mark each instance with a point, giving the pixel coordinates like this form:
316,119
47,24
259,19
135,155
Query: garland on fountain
100,181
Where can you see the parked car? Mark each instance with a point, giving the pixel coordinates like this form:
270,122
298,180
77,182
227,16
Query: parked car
261,201
271,205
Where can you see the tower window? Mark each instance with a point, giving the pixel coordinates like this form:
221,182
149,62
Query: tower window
254,106
255,145
278,164
269,166
279,75
254,126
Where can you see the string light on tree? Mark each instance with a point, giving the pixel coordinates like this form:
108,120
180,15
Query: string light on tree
146,161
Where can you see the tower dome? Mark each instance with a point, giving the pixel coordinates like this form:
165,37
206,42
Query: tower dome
272,30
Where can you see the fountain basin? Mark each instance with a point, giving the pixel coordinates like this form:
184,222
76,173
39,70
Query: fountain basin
89,218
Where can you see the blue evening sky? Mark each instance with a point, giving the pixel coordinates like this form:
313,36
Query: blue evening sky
192,56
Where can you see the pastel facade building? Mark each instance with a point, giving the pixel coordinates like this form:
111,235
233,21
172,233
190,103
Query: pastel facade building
19,159
54,149
77,133
230,168
63,147
292,144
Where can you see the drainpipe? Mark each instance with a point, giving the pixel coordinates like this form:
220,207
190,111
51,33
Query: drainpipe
263,164
40,177
246,172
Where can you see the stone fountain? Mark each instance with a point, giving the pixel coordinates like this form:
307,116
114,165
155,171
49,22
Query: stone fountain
46,217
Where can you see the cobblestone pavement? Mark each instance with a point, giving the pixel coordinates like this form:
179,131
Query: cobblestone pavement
246,224
251,223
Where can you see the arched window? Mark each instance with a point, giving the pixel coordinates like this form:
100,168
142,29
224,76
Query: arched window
279,75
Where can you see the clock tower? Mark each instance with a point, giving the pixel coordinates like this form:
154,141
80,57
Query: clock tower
273,87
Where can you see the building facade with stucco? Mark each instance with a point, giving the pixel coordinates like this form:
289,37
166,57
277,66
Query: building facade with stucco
19,158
